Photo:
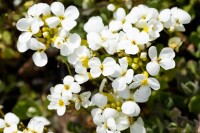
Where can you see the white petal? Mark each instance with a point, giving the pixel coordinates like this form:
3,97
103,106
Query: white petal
61,110
123,64
138,98
111,124
167,53
71,13
128,107
139,78
119,84
95,72
99,100
91,25
35,27
57,8
167,64
119,14
68,80
152,53
11,118
153,83
52,22
22,46
2,123
23,24
75,39
94,62
40,59
75,88
125,93
164,15
137,128
110,112
68,24
132,49
153,68
137,110
25,37
129,76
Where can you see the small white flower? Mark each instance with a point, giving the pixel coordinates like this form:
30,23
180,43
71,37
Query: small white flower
133,39
68,87
80,56
65,17
174,19
165,60
68,43
175,43
144,83
39,9
82,100
9,123
123,75
29,26
57,101
105,68
35,126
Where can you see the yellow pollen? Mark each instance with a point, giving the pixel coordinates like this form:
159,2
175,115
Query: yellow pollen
61,17
84,61
101,67
67,87
145,82
61,103
145,29
143,17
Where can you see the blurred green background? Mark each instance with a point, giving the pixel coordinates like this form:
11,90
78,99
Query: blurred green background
175,108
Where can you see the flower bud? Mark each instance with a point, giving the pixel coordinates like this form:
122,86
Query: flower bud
111,7
175,43
143,56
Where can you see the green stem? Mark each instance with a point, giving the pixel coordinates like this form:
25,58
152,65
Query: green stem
66,63
1,113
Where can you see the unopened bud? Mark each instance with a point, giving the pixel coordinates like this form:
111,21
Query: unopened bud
143,56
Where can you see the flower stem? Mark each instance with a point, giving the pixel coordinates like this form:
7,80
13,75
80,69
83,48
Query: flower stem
102,85
66,63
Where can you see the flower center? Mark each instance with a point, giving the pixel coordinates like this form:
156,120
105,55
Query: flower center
145,82
67,87
60,102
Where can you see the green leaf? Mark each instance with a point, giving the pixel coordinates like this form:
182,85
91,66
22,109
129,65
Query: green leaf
194,104
26,109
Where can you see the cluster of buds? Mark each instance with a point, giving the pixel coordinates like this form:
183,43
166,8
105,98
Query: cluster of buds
119,53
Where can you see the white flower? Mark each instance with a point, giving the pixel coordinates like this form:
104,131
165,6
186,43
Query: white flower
80,56
105,68
123,75
39,57
35,126
39,9
165,60
9,123
57,101
153,28
138,126
68,43
133,39
105,120
29,26
175,43
139,16
145,84
82,100
130,108
174,19
65,17
119,20
100,100
68,87
82,74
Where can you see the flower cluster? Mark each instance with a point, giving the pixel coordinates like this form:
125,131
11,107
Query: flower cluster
46,26
12,124
120,54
